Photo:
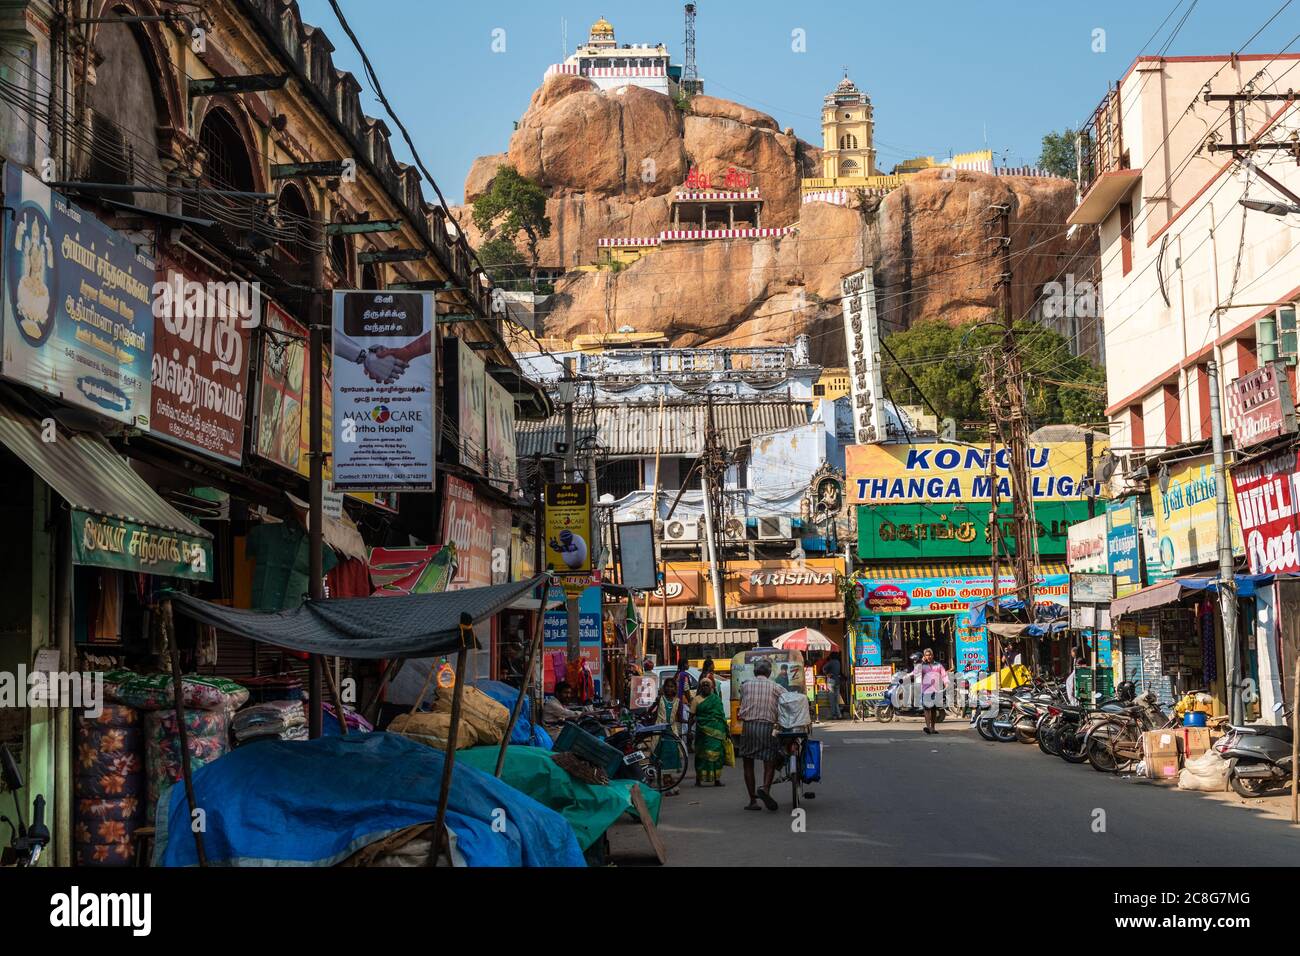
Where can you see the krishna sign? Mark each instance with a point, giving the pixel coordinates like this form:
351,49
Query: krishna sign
898,473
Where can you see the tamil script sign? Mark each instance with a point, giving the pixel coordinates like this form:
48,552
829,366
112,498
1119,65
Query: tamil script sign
1260,406
1186,521
1087,545
1268,491
104,542
384,427
568,527
862,338
884,474
958,530
1124,545
78,314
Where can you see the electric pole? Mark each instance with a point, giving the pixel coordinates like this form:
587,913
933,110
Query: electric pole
1227,573
712,469
316,464
568,397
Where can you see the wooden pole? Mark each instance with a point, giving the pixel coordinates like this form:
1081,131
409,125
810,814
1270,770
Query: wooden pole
655,515
373,697
533,648
1295,741
449,761
182,737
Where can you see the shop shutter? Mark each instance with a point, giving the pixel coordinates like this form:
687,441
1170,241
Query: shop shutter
1132,660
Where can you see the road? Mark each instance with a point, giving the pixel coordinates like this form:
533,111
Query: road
893,796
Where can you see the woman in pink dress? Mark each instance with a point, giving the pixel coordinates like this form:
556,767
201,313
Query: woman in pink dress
934,682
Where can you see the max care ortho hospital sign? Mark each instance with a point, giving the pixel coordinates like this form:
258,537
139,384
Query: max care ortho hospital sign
899,473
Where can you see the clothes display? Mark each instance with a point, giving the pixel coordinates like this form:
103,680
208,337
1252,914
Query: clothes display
281,572
282,719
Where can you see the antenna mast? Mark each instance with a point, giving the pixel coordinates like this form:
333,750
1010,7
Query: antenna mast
690,73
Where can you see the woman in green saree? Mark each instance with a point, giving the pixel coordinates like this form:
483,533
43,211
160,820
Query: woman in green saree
711,735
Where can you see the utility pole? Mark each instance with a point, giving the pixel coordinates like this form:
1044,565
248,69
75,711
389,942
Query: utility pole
1017,422
712,471
316,462
1227,573
995,535
568,397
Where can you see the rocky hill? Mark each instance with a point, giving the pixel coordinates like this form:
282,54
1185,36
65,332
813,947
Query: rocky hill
610,162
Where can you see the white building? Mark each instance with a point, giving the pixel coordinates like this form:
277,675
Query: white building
610,66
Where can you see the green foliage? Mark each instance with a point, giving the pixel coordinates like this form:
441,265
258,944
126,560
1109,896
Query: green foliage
1059,154
513,205
505,264
944,361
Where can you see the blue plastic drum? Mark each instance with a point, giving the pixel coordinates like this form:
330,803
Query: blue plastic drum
1194,718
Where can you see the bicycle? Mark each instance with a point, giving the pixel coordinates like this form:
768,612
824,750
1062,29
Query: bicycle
790,768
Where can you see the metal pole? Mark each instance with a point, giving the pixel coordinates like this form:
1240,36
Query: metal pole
574,642
316,461
708,476
1227,574
654,518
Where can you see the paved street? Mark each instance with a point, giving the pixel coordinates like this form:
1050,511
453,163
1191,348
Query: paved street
893,796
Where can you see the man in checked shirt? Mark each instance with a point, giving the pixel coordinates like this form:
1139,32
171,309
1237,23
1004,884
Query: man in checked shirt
759,697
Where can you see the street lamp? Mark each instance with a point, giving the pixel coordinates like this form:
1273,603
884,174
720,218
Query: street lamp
1272,208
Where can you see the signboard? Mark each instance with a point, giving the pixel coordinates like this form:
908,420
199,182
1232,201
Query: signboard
418,570
1152,560
467,523
383,381
1086,550
683,587
1186,520
958,529
790,583
636,548
201,349
471,405
1268,493
1091,588
568,527
939,472
1260,406
862,339
1124,545
870,683
103,542
78,318
281,410
502,468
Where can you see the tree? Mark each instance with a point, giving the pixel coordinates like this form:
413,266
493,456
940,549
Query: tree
514,204
944,362
503,262
1060,154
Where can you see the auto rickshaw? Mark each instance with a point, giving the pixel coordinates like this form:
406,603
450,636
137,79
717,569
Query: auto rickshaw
787,670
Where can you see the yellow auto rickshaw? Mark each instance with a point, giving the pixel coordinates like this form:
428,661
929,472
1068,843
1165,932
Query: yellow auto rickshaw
787,670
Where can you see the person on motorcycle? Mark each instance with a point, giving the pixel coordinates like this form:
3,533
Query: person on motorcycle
933,680
556,710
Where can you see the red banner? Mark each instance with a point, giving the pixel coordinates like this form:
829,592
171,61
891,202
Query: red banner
1267,495
467,523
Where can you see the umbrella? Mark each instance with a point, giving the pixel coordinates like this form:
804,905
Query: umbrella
804,639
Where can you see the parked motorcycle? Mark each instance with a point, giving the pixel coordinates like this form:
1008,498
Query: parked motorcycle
25,842
1261,758
1113,741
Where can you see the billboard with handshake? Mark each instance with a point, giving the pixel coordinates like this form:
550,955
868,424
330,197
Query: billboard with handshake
384,426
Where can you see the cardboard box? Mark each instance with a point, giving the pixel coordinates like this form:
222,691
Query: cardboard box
1163,768
1161,743
1196,741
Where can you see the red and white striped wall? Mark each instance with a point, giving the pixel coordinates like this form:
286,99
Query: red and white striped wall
1025,171
575,69
696,195
636,242
688,234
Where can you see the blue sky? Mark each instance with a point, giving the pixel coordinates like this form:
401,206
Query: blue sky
943,76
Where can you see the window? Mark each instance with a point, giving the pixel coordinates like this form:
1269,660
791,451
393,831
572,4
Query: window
848,141
1203,397
1126,235
620,477
819,390
295,225
1286,331
1173,415
684,466
1275,335
1136,430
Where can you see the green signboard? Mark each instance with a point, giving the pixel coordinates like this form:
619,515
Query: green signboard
957,530
126,546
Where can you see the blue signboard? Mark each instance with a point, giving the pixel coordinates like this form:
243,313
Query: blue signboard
1124,545
78,305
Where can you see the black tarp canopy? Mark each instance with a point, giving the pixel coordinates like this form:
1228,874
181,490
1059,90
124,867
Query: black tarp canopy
369,628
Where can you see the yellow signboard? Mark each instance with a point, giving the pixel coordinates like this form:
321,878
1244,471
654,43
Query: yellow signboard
1186,516
568,528
939,472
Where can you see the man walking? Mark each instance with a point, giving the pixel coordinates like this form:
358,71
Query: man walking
831,671
759,697
933,681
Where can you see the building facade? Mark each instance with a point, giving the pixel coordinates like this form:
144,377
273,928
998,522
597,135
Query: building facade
610,66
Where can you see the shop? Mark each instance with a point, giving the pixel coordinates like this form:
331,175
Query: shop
774,597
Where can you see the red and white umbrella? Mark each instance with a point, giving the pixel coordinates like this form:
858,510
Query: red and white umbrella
804,639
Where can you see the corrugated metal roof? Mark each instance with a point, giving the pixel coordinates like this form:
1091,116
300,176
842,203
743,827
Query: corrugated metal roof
90,475
634,429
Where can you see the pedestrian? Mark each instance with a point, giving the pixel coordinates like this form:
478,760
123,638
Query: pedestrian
831,671
759,698
933,679
665,745
711,735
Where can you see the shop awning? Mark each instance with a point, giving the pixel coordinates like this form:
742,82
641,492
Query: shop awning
1175,589
118,520
780,611
730,635
912,572
341,533
655,616
400,625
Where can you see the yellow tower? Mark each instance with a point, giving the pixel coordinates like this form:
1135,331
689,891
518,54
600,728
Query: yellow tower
602,34
847,125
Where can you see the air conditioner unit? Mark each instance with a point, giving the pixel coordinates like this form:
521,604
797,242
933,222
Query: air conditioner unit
681,531
734,530
774,529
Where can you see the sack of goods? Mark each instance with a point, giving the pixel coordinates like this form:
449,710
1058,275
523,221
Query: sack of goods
109,786
482,720
1207,772
792,711
278,719
206,738
156,691
433,730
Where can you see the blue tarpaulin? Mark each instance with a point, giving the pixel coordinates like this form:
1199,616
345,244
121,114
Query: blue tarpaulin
316,802
526,732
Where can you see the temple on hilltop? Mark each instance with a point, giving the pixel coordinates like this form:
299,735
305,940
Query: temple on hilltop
849,153
610,66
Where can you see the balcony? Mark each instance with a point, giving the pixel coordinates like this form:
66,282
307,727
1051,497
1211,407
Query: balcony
1104,174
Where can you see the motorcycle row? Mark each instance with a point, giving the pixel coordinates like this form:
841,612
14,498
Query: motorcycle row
1108,735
